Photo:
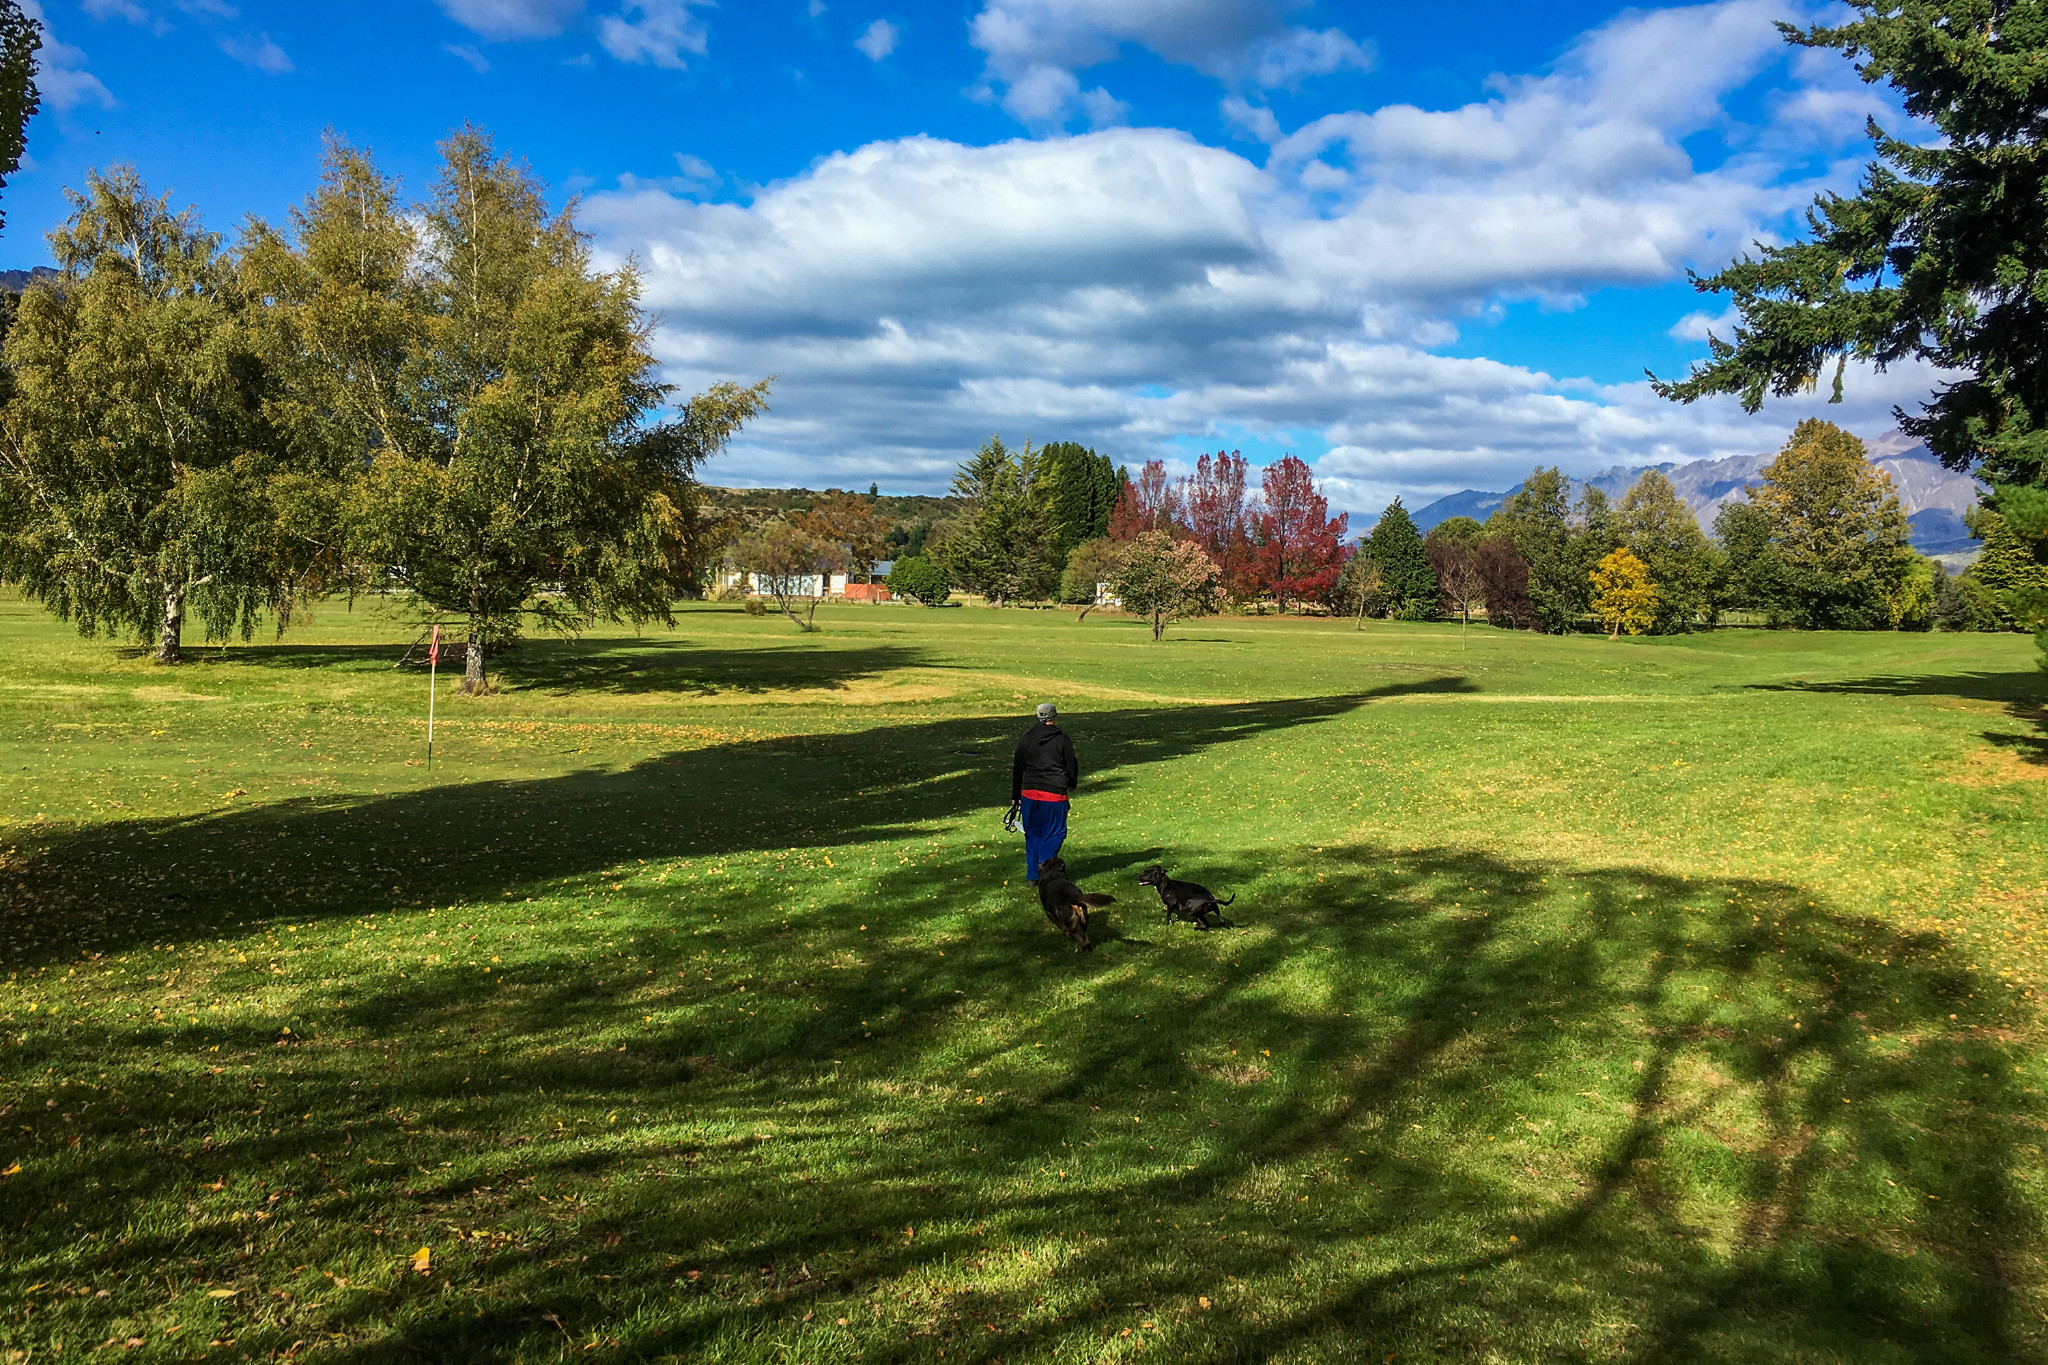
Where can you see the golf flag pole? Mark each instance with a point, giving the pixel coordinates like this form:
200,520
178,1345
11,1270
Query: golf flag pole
433,667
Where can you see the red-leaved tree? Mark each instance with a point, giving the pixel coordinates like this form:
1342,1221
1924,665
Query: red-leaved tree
1301,546
1149,502
1220,518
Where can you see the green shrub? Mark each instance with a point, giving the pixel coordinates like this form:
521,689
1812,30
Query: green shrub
920,580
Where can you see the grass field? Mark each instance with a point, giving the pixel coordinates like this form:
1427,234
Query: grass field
1659,1000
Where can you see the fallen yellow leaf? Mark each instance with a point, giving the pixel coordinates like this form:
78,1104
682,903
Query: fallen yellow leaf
422,1259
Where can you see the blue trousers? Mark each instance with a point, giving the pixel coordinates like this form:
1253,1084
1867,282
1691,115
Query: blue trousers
1045,829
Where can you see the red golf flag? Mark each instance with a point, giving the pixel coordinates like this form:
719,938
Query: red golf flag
434,649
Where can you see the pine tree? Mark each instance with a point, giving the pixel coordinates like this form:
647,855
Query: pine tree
1933,258
1006,545
1407,582
1083,488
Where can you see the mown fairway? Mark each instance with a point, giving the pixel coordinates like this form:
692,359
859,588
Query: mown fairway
1653,1001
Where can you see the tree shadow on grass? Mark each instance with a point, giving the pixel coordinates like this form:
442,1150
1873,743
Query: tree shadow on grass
101,887
619,666
1454,1107
2025,694
2021,687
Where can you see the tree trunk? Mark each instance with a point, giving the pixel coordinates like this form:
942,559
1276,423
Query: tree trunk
170,640
474,683
1465,628
1158,627
1362,595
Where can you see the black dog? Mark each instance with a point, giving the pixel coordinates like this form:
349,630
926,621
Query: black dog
1066,904
1185,900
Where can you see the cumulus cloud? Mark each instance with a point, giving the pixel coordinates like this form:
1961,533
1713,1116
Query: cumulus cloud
1136,288
1034,48
503,19
61,77
878,41
258,51
654,32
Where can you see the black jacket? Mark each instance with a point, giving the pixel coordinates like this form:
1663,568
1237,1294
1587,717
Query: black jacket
1044,761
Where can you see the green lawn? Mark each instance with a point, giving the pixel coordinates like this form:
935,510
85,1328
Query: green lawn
1657,1000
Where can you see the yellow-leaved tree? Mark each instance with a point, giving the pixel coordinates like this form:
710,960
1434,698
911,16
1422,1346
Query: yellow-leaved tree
1623,595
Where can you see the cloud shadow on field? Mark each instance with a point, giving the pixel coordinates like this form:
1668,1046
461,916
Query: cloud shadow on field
1692,1178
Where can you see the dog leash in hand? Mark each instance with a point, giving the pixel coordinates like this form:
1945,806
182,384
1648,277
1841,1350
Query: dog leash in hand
1011,817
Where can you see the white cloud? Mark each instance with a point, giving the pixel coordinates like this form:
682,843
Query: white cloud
258,52
1698,326
1302,52
878,41
501,19
1035,47
1257,120
1134,288
467,52
61,76
116,9
654,32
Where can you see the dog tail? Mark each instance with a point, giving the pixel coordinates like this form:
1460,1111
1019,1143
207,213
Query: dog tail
1098,900
1231,901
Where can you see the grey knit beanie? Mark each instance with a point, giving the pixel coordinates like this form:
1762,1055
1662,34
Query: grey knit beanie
1046,710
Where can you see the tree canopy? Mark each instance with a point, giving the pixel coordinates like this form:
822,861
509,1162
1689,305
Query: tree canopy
1941,254
1407,581
21,37
135,459
1837,524
503,391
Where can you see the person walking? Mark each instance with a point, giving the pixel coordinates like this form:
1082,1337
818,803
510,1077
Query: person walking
1042,776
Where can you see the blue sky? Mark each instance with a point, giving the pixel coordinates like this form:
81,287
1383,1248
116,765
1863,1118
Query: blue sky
1424,246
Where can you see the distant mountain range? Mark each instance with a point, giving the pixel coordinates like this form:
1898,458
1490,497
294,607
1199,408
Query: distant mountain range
14,281
1934,496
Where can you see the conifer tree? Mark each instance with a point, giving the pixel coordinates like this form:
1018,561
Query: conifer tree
1006,546
1408,584
1933,258
1083,489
